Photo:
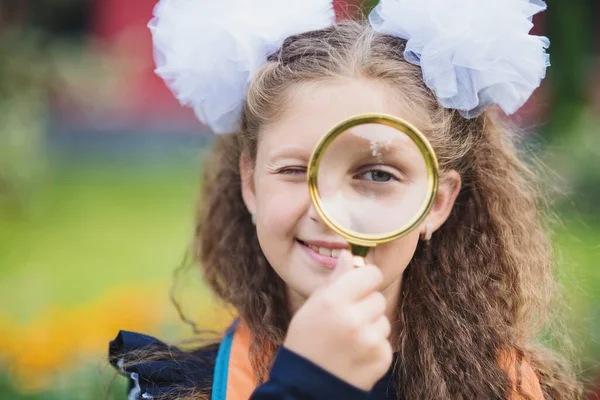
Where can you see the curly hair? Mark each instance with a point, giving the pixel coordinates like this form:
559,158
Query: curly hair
483,286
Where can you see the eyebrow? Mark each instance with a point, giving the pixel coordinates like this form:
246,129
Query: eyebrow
289,152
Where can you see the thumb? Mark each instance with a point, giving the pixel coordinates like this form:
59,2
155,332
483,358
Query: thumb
344,264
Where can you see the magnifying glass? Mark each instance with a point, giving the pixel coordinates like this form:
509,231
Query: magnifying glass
372,179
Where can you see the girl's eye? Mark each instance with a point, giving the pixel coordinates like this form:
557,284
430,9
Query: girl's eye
377,175
292,171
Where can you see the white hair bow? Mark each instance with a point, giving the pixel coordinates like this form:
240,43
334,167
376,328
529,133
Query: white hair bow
208,50
473,53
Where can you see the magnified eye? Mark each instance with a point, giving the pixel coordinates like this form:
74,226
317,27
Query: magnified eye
372,178
377,176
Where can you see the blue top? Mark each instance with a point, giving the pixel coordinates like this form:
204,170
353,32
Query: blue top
292,376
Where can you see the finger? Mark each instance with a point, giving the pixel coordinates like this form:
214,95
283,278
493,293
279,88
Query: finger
371,308
375,334
385,353
344,264
356,284
382,327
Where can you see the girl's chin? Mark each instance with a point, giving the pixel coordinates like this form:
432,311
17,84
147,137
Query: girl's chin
301,289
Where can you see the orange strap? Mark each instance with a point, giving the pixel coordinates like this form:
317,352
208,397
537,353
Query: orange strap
521,372
241,381
240,377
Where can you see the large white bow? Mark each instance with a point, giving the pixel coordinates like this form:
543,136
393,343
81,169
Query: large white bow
473,53
208,50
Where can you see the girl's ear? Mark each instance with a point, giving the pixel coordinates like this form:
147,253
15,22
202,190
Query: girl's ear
247,183
448,190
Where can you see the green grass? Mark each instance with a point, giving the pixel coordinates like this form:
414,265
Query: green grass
89,382
89,228
577,243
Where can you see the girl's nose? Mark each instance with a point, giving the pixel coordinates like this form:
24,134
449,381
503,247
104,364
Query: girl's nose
312,214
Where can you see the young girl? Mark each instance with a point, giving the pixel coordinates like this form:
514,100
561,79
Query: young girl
450,311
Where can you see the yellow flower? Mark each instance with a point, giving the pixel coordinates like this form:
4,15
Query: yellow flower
62,339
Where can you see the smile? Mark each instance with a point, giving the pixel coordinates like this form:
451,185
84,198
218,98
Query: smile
323,253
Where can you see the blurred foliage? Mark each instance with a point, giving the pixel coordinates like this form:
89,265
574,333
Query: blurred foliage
88,382
569,27
575,157
572,134
54,17
40,64
24,82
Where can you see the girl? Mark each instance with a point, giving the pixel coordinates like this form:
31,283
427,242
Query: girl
450,311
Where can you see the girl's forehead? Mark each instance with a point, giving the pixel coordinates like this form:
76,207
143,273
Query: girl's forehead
312,110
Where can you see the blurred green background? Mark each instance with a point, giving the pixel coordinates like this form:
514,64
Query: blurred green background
99,170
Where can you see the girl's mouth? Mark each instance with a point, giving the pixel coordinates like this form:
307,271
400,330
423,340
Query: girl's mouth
323,255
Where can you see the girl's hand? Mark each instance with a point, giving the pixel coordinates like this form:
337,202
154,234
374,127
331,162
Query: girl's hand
342,327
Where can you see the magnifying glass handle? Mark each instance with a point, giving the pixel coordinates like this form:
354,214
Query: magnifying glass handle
359,253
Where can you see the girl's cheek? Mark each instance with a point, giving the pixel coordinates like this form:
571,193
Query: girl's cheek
394,257
282,202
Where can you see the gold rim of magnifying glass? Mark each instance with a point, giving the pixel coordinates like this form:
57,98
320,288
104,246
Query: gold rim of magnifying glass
365,239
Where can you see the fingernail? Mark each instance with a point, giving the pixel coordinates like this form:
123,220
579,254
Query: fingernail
358,261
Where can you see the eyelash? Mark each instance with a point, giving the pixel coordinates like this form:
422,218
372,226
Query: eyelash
375,168
292,171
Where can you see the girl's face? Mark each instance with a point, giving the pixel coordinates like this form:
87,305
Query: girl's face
297,244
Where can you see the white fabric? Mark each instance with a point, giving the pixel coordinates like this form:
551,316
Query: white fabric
136,391
473,53
208,50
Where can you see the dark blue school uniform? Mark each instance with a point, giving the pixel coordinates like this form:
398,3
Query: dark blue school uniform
292,376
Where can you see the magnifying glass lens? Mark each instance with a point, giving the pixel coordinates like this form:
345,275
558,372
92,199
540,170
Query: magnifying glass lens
373,179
